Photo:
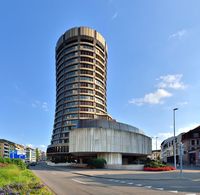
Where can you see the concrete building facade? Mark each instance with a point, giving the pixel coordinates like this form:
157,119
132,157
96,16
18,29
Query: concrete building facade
81,76
116,142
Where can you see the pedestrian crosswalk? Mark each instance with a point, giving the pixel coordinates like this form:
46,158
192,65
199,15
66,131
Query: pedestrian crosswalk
129,182
145,186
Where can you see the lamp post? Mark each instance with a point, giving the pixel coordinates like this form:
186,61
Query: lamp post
174,110
156,148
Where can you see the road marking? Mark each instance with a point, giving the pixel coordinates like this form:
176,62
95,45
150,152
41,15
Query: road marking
196,180
138,184
130,183
147,186
78,181
190,194
174,191
159,188
116,180
111,180
122,182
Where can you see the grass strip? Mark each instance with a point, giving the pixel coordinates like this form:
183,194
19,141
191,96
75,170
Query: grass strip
13,179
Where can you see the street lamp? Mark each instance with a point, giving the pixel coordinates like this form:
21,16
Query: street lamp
156,148
174,137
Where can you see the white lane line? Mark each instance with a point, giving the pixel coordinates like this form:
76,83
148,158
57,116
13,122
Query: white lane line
122,182
111,180
196,180
148,186
138,184
159,188
190,194
130,183
78,181
174,191
116,180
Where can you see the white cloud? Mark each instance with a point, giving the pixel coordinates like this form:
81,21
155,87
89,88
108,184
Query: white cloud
171,81
152,98
40,105
182,103
187,128
42,146
178,35
114,15
165,82
45,106
30,145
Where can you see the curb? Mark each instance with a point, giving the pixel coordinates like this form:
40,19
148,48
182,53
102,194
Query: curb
155,179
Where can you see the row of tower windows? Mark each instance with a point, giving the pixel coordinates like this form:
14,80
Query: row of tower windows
56,135
68,122
60,113
73,71
81,91
99,58
76,53
85,39
71,95
89,53
66,50
64,108
62,63
82,46
65,120
74,79
67,56
75,97
80,78
81,72
76,85
73,61
58,117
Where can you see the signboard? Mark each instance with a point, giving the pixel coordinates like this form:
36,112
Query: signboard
17,154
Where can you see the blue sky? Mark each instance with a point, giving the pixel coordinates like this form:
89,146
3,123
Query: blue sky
153,63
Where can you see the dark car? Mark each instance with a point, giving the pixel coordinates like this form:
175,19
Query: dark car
32,164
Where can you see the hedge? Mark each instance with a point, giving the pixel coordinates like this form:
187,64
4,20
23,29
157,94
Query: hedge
17,162
166,168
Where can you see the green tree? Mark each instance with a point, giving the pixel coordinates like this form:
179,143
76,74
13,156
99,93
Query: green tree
37,154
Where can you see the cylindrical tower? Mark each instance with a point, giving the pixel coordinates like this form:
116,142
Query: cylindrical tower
81,68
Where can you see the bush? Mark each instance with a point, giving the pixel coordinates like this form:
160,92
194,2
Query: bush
7,160
19,163
97,163
156,165
2,160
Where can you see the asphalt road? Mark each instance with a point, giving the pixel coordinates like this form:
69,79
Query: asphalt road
64,182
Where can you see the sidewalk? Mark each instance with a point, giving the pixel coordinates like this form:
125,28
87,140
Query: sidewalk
140,175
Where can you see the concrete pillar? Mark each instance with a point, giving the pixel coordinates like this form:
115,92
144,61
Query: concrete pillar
111,158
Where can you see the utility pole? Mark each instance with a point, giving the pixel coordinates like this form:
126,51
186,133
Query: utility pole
156,148
174,136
